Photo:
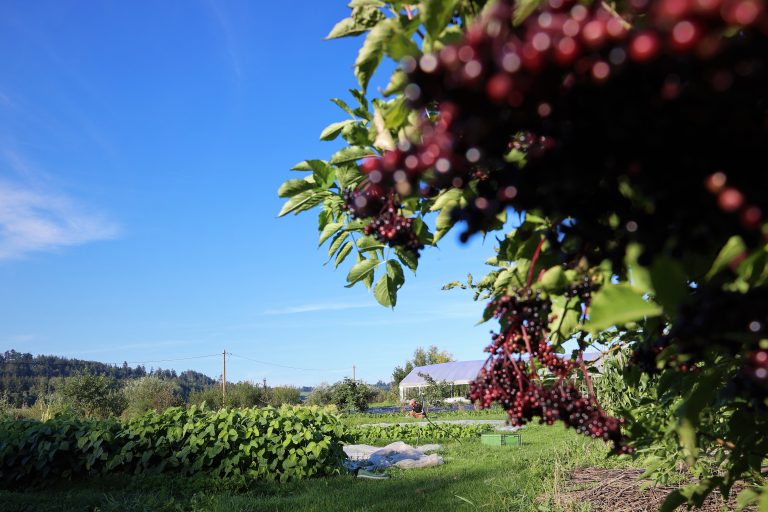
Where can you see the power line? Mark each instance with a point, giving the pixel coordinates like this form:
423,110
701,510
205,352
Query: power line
286,366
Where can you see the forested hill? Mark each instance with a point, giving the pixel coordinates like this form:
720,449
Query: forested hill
24,377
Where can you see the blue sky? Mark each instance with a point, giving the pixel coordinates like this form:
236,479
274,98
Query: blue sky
141,147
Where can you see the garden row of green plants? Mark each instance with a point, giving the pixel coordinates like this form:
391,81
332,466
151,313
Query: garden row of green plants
410,431
266,444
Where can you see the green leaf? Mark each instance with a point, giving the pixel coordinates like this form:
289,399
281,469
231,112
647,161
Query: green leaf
617,304
361,270
554,279
566,315
333,130
328,231
436,14
292,187
687,434
409,258
368,243
344,28
396,113
444,223
670,283
322,173
361,99
639,276
395,272
343,106
397,83
385,291
344,252
301,166
350,154
732,249
338,239
524,8
371,52
300,202
400,46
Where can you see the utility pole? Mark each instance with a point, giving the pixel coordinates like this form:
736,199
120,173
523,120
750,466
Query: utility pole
265,383
224,379
353,373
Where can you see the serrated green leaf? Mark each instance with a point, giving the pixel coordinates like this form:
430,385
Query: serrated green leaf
436,14
362,269
444,222
368,243
617,304
333,130
343,106
350,154
361,99
395,272
344,252
292,187
447,199
385,291
409,258
328,231
302,166
300,202
338,239
372,51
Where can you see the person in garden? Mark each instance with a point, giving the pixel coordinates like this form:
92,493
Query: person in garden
417,409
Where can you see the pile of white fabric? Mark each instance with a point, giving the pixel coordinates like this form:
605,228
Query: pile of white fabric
398,454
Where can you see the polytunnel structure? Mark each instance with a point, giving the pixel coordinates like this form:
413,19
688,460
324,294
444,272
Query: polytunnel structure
456,373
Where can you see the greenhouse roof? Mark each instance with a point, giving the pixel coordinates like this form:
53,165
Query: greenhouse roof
456,372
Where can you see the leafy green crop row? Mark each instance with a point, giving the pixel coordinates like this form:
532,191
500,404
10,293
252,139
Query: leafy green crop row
411,431
269,444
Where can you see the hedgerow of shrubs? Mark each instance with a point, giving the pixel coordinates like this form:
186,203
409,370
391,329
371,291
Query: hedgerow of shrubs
267,444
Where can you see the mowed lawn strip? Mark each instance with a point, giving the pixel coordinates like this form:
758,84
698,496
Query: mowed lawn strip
474,477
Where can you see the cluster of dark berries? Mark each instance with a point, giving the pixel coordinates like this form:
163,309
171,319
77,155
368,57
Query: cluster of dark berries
605,104
509,383
367,201
581,289
394,229
524,310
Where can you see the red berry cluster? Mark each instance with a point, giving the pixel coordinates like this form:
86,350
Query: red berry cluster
511,377
524,397
388,225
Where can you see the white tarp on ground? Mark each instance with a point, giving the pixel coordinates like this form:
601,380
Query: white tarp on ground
398,454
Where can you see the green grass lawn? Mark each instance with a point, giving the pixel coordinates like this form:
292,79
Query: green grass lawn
474,477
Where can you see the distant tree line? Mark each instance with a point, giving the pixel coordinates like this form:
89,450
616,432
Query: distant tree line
25,379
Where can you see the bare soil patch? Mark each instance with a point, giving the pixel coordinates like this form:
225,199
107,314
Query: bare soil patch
622,490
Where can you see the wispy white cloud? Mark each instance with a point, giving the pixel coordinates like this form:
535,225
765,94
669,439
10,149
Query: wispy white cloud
308,308
33,220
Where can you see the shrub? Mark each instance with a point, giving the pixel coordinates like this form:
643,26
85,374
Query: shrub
280,395
93,396
242,394
352,395
150,393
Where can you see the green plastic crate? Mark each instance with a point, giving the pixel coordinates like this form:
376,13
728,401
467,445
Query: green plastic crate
502,439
